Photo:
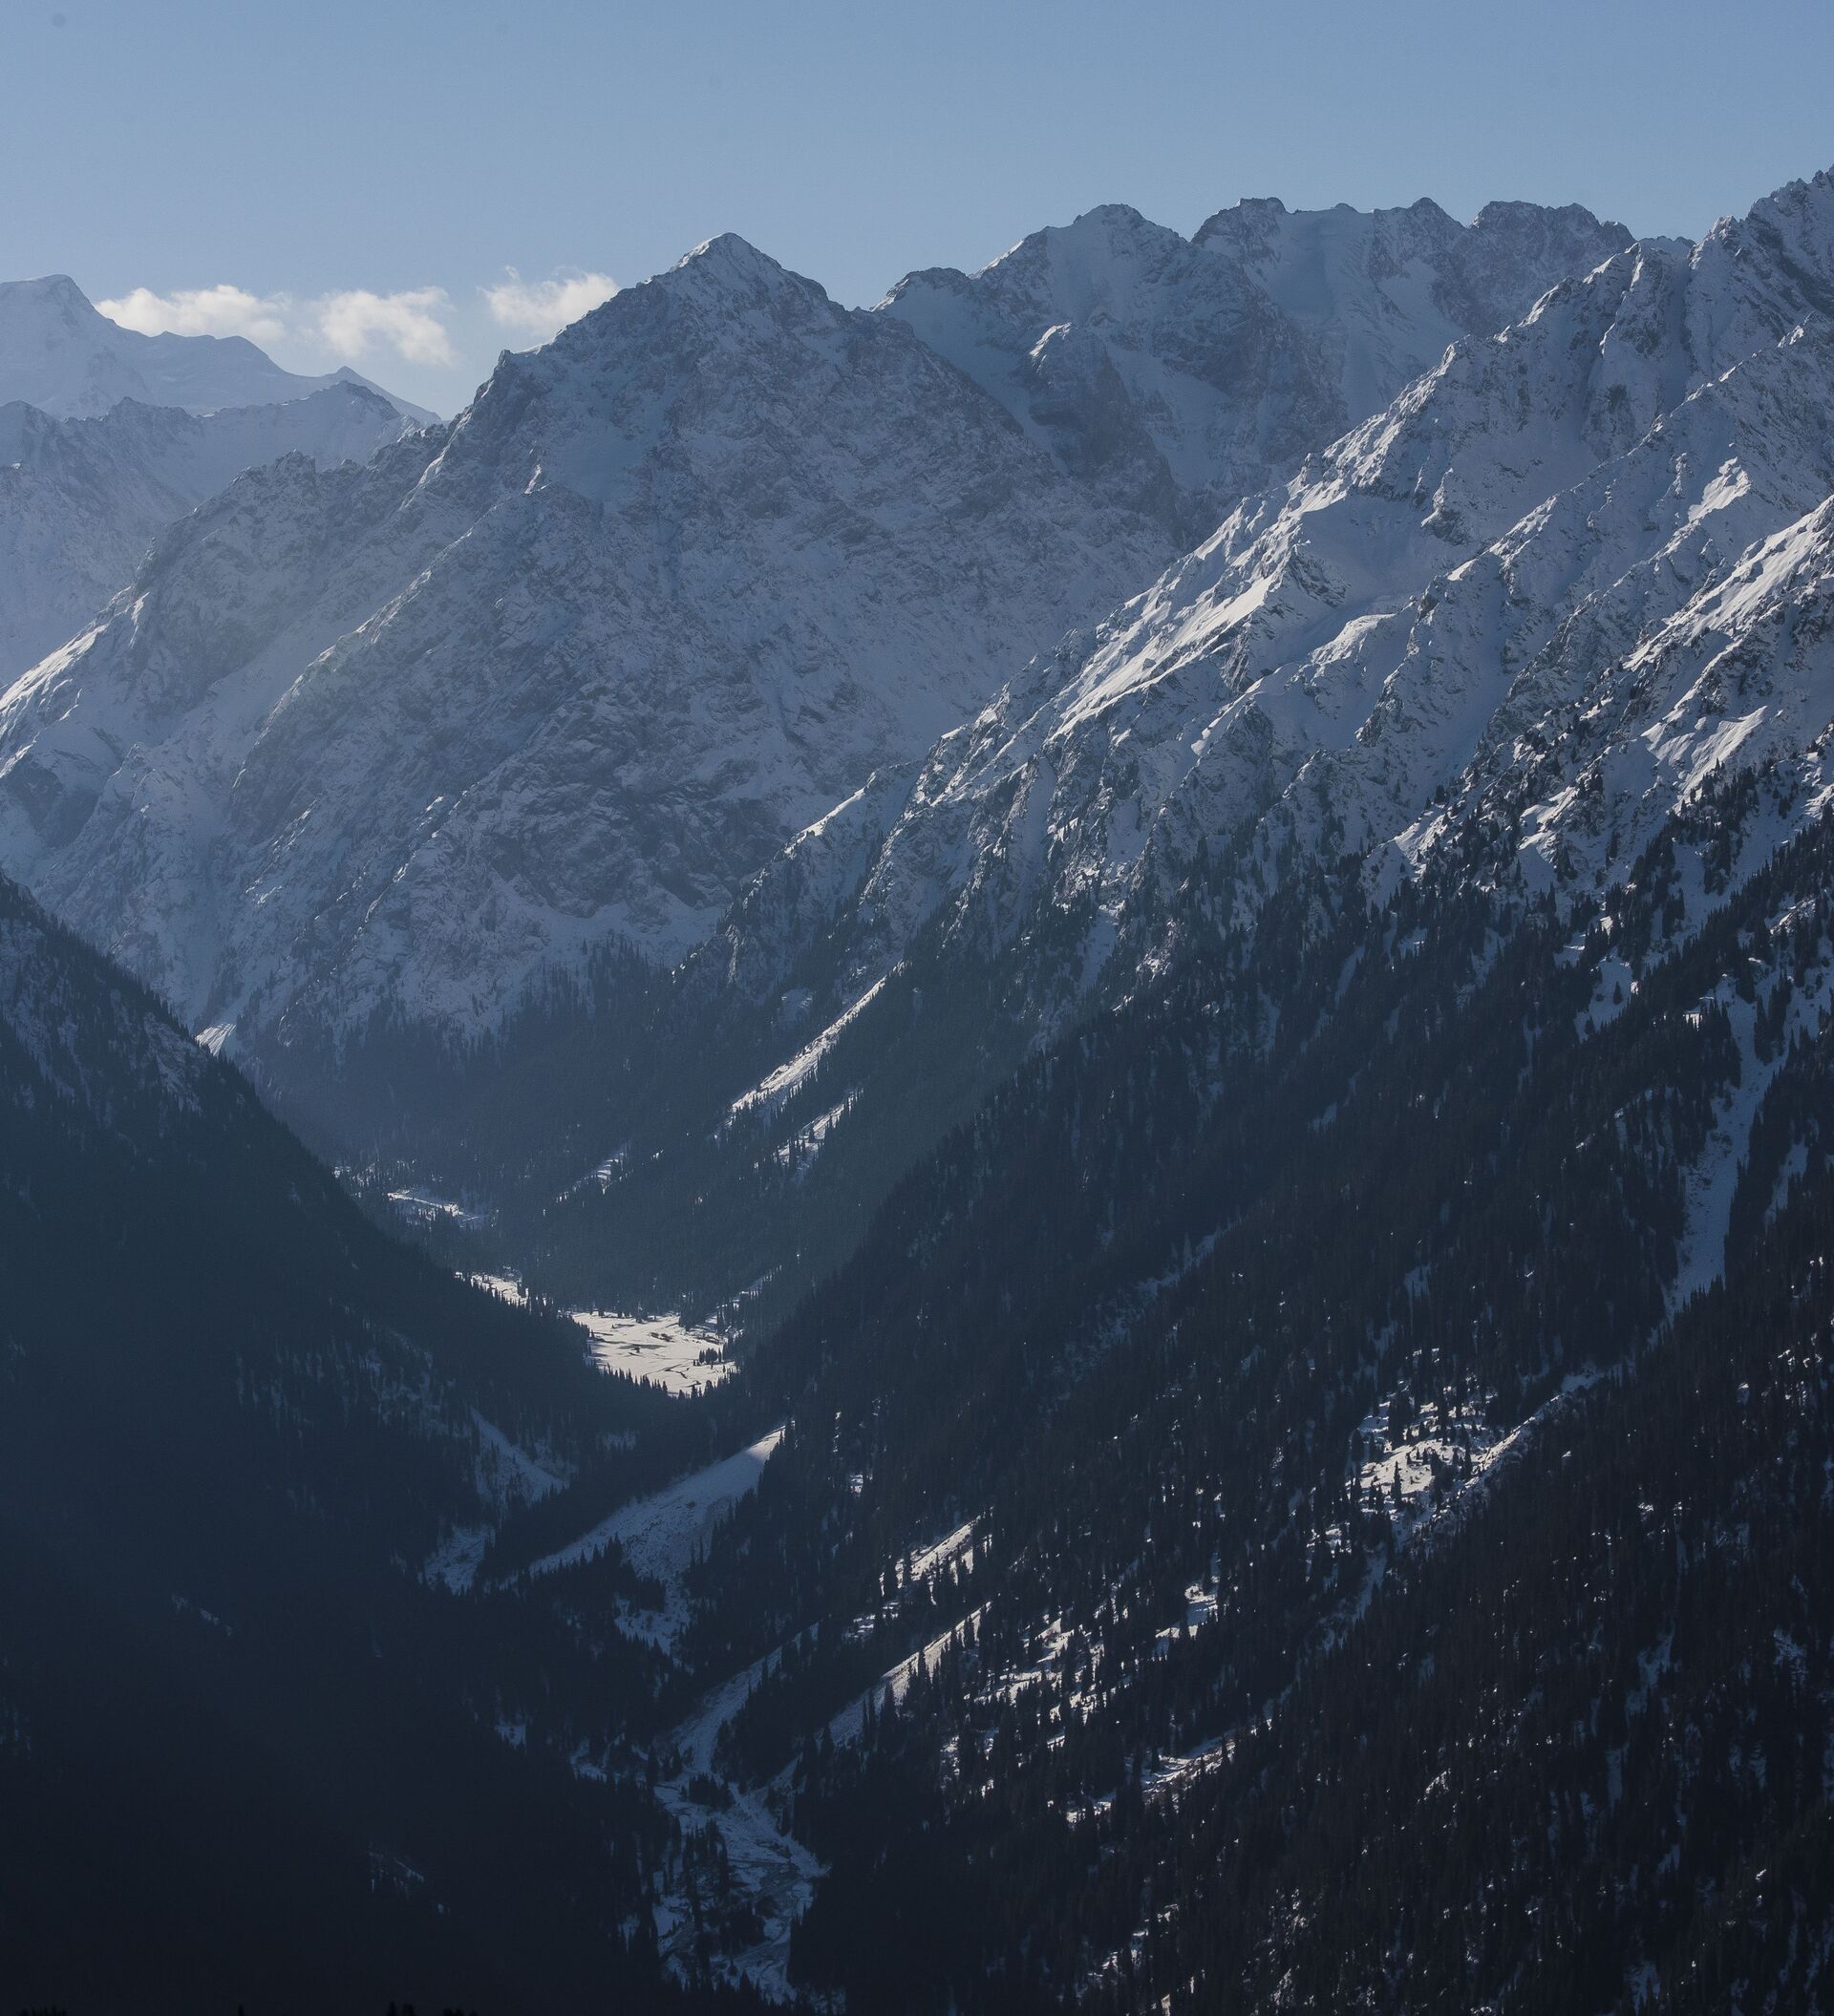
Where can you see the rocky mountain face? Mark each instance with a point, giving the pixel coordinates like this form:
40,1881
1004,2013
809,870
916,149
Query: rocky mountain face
106,436
82,500
746,636
1572,570
1179,375
563,673
719,561
1570,575
59,354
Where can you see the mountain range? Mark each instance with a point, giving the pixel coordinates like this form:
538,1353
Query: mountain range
1558,581
1179,375
1554,533
1175,898
60,353
718,561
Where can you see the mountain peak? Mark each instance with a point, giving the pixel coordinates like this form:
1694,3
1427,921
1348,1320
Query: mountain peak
51,303
1260,221
60,353
1250,220
1114,217
56,287
1515,210
1108,229
1776,262
729,263
1084,262
1787,212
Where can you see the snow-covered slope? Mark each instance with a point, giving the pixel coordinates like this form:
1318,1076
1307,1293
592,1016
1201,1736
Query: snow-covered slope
1566,573
59,354
82,500
567,670
1180,374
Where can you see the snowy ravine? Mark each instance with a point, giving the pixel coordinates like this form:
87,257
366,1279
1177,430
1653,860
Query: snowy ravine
771,1869
660,1534
772,1872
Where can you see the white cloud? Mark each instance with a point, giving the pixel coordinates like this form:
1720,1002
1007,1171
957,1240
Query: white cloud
348,324
407,323
542,307
220,310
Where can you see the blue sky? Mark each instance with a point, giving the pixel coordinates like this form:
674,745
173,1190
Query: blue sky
352,177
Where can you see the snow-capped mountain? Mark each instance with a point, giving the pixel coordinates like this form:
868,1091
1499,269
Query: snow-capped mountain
1182,375
1196,1148
1565,574
565,671
699,570
59,354
82,500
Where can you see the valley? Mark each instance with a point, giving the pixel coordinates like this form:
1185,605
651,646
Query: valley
973,1156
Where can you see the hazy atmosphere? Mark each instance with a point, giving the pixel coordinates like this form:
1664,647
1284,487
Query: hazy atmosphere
916,1010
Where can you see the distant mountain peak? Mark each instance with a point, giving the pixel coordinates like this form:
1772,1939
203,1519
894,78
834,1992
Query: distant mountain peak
60,353
1100,233
45,310
1184,374
1508,210
1117,217
726,251
58,288
697,567
1797,220
82,498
